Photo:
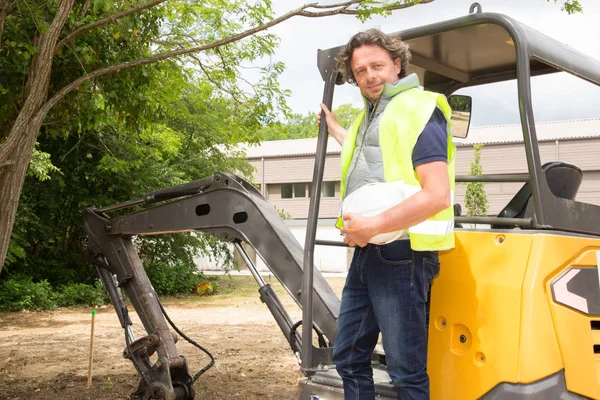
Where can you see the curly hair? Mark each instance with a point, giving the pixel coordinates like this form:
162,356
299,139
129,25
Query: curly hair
389,42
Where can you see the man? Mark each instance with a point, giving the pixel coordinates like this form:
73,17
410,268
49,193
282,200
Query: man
402,134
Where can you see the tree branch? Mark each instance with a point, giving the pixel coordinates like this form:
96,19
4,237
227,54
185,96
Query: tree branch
346,4
111,18
85,7
300,11
210,78
190,37
344,9
74,147
6,6
181,45
249,84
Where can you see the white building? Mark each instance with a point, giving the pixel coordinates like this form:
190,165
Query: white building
284,170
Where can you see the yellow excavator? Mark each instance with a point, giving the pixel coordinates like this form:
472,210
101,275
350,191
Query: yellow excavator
515,311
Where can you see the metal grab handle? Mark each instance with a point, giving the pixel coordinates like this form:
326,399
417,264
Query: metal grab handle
475,6
311,228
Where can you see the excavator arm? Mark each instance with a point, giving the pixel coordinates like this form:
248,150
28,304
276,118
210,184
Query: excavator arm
230,209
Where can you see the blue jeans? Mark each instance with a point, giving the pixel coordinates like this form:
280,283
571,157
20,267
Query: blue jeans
386,291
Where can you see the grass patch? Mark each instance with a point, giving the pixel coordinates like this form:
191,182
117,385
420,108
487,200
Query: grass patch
244,288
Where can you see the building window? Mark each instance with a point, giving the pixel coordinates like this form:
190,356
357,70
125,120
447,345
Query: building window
286,191
299,190
303,190
328,189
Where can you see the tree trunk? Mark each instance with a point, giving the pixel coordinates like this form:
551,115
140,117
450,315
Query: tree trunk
16,152
14,161
5,7
3,12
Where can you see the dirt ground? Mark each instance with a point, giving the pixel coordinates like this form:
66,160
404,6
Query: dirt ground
44,355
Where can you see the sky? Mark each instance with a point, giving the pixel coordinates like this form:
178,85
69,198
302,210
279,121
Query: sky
497,105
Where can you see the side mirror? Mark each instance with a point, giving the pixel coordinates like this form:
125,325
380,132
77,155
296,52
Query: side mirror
461,114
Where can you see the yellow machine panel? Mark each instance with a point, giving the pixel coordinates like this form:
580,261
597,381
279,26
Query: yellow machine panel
576,314
494,318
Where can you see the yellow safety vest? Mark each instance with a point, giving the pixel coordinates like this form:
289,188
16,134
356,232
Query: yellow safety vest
402,122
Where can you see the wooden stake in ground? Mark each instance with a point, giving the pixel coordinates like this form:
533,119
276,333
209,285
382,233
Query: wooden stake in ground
89,382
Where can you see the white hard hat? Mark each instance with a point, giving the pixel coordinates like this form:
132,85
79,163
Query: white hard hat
373,199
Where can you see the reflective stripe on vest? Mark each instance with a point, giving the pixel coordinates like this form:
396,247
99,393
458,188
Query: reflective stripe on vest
402,122
431,227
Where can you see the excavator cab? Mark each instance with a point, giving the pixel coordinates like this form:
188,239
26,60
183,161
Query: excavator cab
515,311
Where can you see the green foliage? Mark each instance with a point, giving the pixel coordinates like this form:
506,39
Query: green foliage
570,6
346,114
21,293
368,8
79,294
215,284
302,126
460,103
40,166
298,126
476,200
113,162
15,250
173,279
106,384
169,260
181,249
282,213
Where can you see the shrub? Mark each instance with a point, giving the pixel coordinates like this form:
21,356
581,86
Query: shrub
21,293
177,279
80,294
215,283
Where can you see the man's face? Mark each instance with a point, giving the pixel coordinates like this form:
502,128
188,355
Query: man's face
372,67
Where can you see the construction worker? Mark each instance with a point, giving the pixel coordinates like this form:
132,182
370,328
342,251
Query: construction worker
403,134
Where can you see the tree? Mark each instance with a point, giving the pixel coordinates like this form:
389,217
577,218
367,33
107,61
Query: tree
295,126
299,126
476,200
113,162
302,126
346,114
42,64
